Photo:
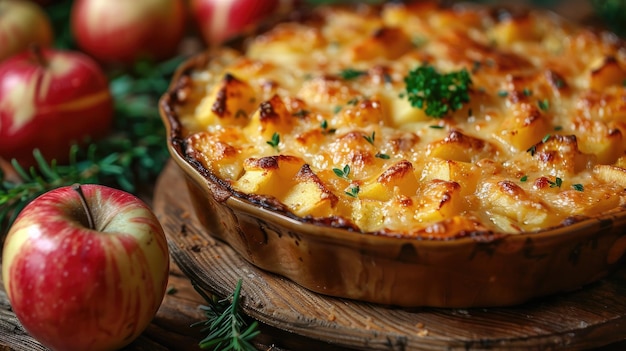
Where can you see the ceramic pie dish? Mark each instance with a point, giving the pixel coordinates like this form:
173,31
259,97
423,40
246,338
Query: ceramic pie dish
302,152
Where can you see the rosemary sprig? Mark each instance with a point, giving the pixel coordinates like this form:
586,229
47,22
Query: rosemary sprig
227,327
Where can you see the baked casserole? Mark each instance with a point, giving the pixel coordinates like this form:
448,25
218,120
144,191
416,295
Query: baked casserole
469,130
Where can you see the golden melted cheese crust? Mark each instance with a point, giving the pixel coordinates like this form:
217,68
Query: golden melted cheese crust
541,142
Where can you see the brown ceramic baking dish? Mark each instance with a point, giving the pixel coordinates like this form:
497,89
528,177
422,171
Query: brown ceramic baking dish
475,269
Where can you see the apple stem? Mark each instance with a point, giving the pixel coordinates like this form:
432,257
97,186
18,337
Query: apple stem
83,201
35,49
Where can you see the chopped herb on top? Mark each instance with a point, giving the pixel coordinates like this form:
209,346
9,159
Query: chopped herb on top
382,156
556,183
350,73
353,191
544,104
301,113
437,93
342,173
370,138
523,178
578,187
527,92
275,141
503,93
325,129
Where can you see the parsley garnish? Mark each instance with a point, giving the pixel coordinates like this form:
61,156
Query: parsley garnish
558,128
435,126
274,141
578,187
527,92
546,138
342,173
353,101
532,150
523,178
350,73
337,109
439,93
503,93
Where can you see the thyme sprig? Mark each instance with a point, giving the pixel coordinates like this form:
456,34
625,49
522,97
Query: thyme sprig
227,327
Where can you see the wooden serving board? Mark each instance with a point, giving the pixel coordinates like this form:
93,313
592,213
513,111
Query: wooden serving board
587,318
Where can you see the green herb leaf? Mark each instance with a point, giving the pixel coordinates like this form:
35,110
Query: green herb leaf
350,73
275,141
227,327
382,156
342,173
556,183
370,138
524,178
544,104
353,191
437,93
578,187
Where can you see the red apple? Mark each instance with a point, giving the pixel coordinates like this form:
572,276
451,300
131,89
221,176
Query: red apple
81,284
22,23
50,99
219,20
122,31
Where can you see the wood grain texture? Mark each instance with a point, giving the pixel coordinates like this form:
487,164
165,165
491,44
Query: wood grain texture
583,319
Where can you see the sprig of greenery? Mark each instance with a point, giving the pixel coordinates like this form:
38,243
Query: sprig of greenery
343,173
227,327
438,93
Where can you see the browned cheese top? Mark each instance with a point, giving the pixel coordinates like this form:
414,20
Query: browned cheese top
314,113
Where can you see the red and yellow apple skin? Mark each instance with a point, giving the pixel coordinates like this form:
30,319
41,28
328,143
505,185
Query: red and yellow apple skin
77,288
123,31
22,23
50,100
219,20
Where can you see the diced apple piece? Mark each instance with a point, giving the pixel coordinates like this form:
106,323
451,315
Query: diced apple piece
271,117
229,103
464,173
438,200
460,147
607,74
524,127
611,174
506,199
385,42
399,179
272,175
309,196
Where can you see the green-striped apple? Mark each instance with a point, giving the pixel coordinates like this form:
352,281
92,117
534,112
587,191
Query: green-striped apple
22,23
122,31
51,99
85,267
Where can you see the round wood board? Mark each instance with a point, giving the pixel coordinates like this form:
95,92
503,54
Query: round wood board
590,317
